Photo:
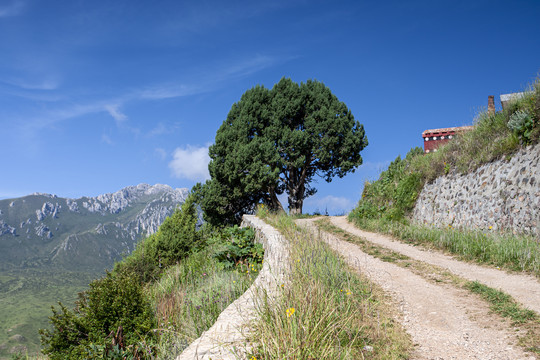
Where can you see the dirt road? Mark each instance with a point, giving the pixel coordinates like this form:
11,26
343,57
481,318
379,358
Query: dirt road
445,322
523,288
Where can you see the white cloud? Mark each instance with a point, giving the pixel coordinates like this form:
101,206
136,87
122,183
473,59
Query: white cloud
330,203
190,163
115,113
13,9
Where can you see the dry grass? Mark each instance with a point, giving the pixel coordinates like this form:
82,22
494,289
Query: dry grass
337,313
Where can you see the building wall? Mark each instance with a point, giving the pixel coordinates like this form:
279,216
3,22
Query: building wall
502,195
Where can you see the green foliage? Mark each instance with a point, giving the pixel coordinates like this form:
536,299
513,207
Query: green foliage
112,301
521,123
276,141
394,194
118,300
238,247
502,303
39,289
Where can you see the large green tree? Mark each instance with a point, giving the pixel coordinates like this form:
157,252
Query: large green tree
276,141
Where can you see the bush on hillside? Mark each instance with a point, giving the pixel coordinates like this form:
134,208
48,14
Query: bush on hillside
114,301
236,246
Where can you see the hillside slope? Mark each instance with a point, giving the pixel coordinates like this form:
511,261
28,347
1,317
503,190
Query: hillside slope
51,248
90,233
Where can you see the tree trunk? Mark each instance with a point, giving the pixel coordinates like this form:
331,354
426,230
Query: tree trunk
275,204
296,199
295,208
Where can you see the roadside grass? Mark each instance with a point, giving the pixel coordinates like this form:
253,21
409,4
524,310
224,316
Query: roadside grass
189,298
500,303
505,250
326,310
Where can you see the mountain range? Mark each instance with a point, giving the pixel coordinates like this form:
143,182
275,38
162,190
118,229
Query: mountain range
89,233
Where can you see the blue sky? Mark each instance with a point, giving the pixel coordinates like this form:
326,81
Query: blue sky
98,95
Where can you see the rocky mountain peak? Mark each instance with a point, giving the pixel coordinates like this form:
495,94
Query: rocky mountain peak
97,229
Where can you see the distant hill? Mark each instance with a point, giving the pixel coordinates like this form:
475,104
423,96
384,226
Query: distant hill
90,233
52,247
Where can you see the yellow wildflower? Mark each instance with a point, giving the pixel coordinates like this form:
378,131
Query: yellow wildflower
290,312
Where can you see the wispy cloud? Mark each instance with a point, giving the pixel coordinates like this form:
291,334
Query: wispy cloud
13,9
249,66
160,129
211,79
44,84
168,91
201,16
115,112
207,79
190,163
161,153
106,139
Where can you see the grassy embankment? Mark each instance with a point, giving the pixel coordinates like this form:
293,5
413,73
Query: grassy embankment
326,310
159,298
189,297
387,202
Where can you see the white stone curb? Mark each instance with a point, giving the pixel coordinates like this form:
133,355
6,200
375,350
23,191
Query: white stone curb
225,340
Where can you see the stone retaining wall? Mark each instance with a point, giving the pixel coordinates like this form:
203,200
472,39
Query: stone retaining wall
225,340
502,195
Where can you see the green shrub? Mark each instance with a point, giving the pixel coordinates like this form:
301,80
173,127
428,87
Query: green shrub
521,123
116,300
237,246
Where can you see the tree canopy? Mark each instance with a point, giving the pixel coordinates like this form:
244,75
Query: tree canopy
275,141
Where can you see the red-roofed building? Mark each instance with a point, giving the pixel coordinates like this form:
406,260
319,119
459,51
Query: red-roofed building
435,138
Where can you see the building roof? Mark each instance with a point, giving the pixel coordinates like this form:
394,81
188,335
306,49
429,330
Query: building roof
447,130
513,96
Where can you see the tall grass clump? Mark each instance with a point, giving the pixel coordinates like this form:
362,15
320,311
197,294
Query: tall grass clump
324,311
190,296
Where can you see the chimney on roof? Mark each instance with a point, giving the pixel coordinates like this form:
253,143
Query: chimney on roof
491,105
